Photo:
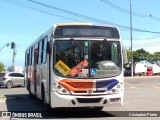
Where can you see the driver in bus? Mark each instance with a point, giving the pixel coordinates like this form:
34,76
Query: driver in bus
71,61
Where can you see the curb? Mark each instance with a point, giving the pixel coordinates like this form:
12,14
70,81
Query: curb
140,76
147,77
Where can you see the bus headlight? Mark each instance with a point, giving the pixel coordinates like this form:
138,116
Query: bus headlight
115,90
118,86
61,90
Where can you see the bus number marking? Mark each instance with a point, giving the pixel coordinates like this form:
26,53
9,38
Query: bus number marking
62,67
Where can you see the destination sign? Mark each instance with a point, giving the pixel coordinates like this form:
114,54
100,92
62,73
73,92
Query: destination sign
86,31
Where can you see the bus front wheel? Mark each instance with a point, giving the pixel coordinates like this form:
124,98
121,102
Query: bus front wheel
31,96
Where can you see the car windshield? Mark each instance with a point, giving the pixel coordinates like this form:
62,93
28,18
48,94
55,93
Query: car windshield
87,58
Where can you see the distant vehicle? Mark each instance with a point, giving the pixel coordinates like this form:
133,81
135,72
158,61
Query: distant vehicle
140,69
11,79
145,68
127,72
154,68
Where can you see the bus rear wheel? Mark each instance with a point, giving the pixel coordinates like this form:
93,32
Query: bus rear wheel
31,96
42,94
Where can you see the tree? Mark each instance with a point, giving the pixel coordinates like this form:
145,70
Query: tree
141,54
2,67
156,56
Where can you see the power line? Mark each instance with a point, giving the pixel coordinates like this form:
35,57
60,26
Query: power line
154,17
36,8
87,17
149,38
66,12
20,3
128,12
74,14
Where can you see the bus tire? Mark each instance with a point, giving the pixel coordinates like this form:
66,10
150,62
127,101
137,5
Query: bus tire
42,93
31,96
46,106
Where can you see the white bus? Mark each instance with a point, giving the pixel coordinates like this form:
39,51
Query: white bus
76,65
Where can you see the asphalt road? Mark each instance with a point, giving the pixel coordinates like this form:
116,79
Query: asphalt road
141,94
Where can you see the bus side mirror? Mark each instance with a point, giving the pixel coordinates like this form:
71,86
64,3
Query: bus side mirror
125,58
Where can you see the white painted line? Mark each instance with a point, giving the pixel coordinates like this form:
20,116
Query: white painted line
133,87
156,87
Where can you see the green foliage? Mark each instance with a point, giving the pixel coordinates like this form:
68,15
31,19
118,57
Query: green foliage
156,56
141,54
2,67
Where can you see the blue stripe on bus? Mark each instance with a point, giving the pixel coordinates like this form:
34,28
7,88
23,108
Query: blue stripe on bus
106,84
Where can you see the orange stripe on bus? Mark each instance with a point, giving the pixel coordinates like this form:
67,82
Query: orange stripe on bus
77,85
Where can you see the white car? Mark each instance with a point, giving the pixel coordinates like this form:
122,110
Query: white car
11,79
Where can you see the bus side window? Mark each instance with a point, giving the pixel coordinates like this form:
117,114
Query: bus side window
35,54
39,53
28,57
42,47
45,49
32,55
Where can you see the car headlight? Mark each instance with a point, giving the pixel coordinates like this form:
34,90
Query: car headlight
61,90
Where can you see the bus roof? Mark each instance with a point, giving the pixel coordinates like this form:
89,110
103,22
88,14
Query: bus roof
83,23
66,24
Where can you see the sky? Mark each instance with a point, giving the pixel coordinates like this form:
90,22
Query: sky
23,21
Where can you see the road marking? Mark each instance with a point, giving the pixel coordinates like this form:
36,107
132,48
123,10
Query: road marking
156,87
133,87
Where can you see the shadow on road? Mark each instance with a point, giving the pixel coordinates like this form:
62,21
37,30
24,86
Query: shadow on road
77,113
23,104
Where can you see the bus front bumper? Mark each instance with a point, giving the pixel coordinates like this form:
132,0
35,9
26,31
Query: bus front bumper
58,100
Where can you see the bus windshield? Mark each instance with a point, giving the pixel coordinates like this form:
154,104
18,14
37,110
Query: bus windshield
87,58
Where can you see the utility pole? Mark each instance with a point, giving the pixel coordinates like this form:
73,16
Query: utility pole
131,37
13,46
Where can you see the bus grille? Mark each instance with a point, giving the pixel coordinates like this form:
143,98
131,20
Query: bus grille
89,100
